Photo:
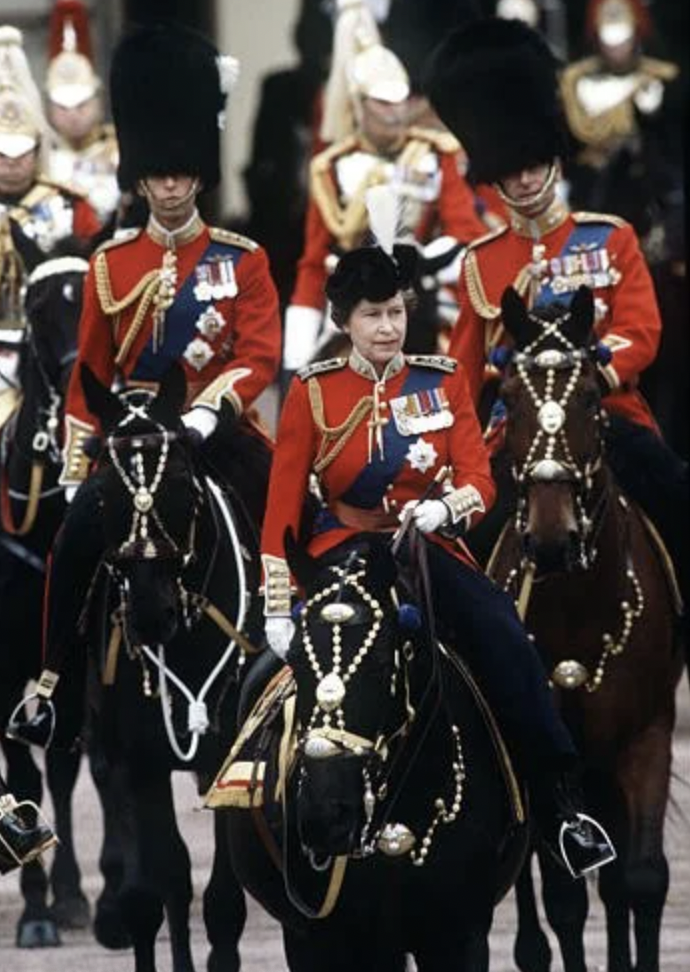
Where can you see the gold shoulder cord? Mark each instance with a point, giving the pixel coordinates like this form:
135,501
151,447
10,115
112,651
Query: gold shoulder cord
347,222
334,437
144,291
617,122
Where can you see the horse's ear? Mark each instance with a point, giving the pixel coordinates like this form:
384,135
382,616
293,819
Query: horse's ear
516,319
302,565
169,402
580,321
100,401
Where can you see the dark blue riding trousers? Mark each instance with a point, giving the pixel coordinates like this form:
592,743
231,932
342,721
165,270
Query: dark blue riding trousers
480,621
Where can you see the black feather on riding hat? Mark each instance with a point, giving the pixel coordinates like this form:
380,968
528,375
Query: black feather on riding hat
494,84
167,99
369,273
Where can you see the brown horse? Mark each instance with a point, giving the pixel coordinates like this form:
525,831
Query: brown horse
592,584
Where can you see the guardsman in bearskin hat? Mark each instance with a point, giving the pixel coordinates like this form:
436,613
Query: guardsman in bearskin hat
389,435
509,121
364,119
83,152
48,212
176,291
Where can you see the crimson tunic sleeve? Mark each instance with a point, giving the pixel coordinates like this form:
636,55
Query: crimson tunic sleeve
293,457
311,269
86,222
257,336
467,341
457,212
469,455
632,329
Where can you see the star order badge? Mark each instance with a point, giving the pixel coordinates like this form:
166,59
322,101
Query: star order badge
198,353
421,455
210,323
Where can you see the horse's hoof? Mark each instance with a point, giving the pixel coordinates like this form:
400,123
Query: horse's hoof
72,911
38,933
109,929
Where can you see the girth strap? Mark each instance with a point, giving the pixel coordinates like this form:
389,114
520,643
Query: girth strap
35,487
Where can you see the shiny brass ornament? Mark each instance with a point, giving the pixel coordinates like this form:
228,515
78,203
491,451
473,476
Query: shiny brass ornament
143,500
330,692
569,674
395,840
337,612
551,417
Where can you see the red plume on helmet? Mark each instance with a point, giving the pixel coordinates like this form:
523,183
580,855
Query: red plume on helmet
69,29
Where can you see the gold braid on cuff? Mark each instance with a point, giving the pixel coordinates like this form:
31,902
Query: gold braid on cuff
277,589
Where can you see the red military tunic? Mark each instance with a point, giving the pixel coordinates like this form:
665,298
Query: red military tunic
427,169
569,249
389,437
221,322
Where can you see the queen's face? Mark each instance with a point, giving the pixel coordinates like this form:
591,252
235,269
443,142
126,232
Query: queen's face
378,329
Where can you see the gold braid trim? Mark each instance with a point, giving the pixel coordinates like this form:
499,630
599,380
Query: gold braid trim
336,437
144,291
619,121
475,289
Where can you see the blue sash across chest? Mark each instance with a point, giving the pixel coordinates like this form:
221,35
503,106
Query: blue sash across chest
369,488
180,320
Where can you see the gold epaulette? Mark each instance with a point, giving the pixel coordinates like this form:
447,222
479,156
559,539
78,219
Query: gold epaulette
584,217
441,141
319,367
220,235
663,70
63,187
123,236
491,235
440,362
322,160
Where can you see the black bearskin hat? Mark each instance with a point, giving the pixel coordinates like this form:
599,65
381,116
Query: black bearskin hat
494,84
166,96
369,273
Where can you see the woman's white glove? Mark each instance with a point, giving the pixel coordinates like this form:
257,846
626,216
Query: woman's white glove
279,632
203,420
429,515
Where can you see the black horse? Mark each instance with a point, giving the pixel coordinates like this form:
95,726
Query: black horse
172,612
32,507
397,833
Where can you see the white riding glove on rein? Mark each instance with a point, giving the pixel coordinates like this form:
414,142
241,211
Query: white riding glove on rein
428,515
203,420
70,493
279,632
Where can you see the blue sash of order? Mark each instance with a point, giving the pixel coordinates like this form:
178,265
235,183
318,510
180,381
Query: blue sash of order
583,233
180,321
369,488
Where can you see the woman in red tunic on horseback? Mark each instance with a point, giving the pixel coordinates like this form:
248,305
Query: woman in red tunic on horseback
391,436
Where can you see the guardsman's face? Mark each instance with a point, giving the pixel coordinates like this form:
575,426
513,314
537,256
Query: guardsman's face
75,123
171,198
17,175
523,186
378,329
383,123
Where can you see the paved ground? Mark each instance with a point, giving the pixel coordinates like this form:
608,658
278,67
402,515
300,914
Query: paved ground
261,947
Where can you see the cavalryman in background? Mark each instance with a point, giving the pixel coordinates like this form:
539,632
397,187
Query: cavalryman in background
365,122
47,211
177,292
615,101
83,151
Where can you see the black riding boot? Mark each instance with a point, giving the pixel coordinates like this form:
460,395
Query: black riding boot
23,833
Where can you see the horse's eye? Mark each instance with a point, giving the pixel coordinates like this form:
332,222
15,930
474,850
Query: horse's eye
68,292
